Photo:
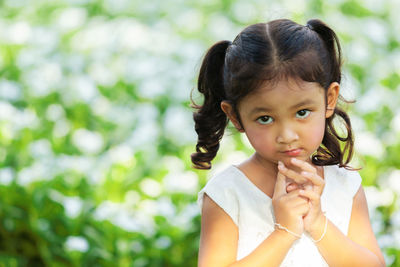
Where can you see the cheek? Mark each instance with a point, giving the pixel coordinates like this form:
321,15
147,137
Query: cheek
316,134
260,141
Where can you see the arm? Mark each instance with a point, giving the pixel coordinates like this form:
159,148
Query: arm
219,240
359,247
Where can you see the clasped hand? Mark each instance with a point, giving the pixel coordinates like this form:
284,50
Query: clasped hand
298,206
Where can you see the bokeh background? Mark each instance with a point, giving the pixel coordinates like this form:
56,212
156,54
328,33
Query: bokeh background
96,129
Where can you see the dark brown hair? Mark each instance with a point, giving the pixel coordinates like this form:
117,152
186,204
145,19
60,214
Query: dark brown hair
279,49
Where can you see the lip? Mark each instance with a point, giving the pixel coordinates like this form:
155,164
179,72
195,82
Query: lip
293,152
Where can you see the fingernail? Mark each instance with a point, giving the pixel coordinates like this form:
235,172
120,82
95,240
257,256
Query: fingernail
294,160
307,174
281,165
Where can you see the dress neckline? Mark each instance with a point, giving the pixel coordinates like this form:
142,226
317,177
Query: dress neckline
260,192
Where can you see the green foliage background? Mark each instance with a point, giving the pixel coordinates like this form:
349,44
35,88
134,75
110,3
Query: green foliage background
96,130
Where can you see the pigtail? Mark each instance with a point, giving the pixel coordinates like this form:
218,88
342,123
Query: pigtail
332,44
210,120
331,152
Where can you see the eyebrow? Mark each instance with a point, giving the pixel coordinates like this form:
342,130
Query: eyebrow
300,104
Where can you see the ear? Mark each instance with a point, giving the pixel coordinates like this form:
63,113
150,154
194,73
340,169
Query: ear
332,97
229,111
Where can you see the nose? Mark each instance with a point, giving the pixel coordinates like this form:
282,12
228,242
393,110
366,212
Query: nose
287,135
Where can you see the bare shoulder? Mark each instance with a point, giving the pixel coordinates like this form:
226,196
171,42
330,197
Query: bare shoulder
219,236
360,230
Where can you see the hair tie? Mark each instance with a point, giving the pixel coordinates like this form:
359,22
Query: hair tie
310,27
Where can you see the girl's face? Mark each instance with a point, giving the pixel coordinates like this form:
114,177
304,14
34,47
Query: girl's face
286,120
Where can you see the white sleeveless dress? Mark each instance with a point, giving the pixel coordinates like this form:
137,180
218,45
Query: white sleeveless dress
251,210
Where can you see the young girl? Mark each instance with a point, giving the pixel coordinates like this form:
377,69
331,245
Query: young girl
295,201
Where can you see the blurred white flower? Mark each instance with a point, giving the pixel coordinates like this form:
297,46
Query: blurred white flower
133,35
28,57
43,79
244,11
83,88
378,197
71,18
115,6
120,154
45,39
371,100
19,33
395,219
151,88
148,207
55,112
41,148
15,3
386,241
87,141
132,198
395,123
102,74
184,219
98,34
6,175
368,144
123,217
163,242
101,106
10,90
358,51
83,164
72,205
376,30
178,126
396,238
137,246
377,221
78,243
190,20
144,135
185,182
150,187
61,128
7,111
226,30
166,208
37,171
26,119
296,7
172,164
393,182
140,67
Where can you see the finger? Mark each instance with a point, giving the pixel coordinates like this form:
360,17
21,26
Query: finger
291,187
308,186
280,185
303,209
295,196
292,174
304,165
314,197
314,178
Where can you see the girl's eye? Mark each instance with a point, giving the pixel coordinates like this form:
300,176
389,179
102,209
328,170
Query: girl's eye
265,120
302,114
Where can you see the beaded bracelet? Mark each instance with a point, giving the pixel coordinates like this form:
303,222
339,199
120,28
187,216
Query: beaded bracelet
287,230
299,236
322,236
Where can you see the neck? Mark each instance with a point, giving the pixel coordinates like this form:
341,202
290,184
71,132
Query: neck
268,167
